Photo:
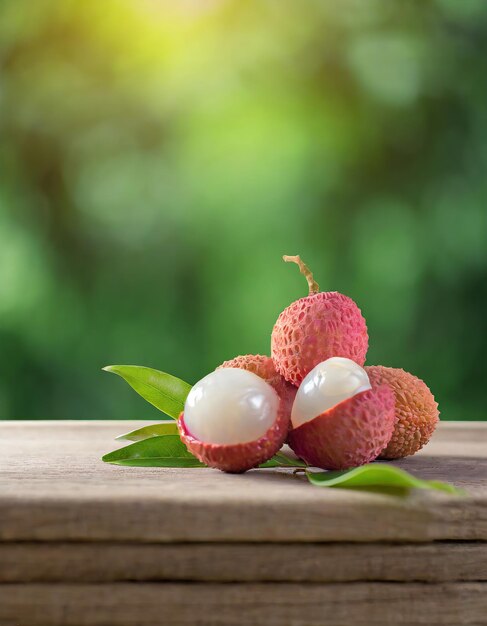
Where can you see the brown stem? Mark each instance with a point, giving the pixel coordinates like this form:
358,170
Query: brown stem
305,271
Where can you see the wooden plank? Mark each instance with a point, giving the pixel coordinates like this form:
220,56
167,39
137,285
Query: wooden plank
78,562
360,604
53,487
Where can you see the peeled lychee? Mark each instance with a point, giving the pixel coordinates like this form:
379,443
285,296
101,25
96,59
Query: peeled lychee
263,366
315,328
233,420
416,411
338,420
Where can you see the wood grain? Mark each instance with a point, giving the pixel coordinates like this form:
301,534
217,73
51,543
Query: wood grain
360,604
87,544
53,487
85,562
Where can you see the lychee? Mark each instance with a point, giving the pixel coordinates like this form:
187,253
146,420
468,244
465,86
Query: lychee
315,328
263,366
416,411
233,420
338,419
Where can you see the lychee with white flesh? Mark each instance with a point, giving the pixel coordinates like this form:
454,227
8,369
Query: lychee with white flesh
315,328
338,419
233,420
263,366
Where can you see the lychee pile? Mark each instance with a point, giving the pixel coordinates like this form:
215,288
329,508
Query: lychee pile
313,393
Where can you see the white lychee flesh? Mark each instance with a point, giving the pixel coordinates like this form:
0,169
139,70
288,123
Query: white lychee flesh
329,383
230,406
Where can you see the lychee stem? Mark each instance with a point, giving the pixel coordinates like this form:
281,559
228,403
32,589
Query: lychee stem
305,271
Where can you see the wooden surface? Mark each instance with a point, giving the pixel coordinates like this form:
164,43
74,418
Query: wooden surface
88,544
250,562
53,487
285,604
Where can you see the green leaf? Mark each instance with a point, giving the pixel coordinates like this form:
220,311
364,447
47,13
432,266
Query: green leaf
154,430
377,476
282,460
161,451
155,447
167,393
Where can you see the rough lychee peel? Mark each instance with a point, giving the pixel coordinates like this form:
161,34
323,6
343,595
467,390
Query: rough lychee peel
416,410
315,328
352,433
238,458
258,364
263,366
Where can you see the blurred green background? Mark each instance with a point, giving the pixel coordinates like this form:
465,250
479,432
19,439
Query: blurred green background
157,158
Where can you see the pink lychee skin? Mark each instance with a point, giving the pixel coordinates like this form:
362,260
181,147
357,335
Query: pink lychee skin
316,328
416,410
263,366
238,458
352,433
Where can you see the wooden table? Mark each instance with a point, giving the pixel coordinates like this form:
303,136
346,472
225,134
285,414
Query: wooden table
84,543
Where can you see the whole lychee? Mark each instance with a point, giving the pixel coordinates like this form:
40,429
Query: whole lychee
416,411
315,328
263,366
233,420
338,419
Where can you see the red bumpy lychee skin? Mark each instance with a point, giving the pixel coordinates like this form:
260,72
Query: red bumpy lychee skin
263,366
238,458
352,433
315,328
416,411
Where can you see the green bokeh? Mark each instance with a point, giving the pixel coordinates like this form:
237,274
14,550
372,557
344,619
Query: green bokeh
157,158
